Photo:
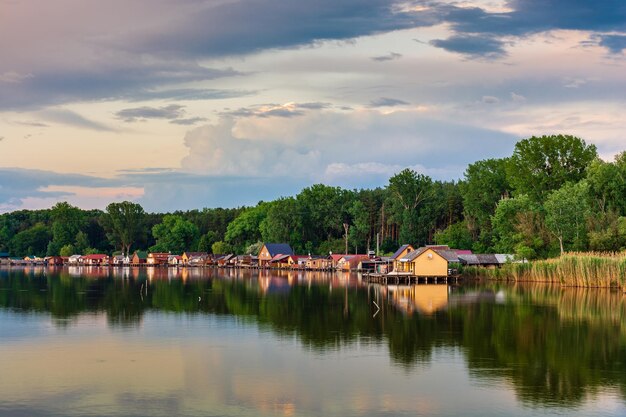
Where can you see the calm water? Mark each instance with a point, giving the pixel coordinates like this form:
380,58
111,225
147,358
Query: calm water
222,343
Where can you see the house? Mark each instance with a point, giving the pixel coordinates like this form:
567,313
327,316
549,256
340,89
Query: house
157,258
431,261
490,261
318,263
139,258
334,259
117,260
175,260
401,253
226,260
98,259
74,260
270,250
55,261
188,256
351,262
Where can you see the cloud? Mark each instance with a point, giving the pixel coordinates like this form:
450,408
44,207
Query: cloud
13,77
318,144
71,118
276,110
173,111
473,46
389,57
188,122
614,43
517,98
188,94
490,100
387,102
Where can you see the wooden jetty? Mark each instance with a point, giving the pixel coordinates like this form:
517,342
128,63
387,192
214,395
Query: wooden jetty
408,279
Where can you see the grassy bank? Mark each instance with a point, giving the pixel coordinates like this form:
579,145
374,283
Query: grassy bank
584,269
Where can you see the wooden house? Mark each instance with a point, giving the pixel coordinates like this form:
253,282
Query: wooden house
139,258
401,253
157,258
270,250
55,261
74,260
98,259
318,263
351,262
431,261
117,260
175,260
334,259
188,256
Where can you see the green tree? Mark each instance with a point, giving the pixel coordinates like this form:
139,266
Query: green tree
567,210
222,248
246,228
206,241
543,164
81,242
408,190
485,184
124,224
457,235
518,227
175,234
67,221
607,185
67,250
282,223
32,241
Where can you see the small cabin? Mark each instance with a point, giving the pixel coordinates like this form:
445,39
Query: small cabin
270,250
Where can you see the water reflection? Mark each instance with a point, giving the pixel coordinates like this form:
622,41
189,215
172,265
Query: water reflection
291,342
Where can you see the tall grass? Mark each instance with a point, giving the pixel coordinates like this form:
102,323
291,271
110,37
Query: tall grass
575,269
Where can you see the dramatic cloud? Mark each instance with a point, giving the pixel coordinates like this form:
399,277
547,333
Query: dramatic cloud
318,144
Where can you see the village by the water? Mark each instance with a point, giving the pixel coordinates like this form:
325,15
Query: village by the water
430,262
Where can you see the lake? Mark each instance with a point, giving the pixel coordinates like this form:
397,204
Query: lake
166,342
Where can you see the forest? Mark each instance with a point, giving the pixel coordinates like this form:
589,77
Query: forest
552,195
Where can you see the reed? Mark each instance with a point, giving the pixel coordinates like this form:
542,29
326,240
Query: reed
575,269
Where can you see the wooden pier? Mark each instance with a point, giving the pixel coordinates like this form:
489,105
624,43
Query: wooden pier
408,279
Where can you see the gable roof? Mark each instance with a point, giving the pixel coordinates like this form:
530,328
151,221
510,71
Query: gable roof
400,250
278,248
141,254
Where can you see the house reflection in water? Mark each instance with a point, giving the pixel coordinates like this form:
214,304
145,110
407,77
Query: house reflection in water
424,299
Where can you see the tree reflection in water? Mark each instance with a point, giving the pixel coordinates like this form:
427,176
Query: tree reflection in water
554,345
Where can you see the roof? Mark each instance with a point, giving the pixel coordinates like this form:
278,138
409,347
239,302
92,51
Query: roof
463,251
96,256
4,254
504,257
141,254
337,257
278,248
470,259
441,250
448,255
280,257
194,254
400,250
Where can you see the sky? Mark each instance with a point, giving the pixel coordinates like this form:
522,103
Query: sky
183,104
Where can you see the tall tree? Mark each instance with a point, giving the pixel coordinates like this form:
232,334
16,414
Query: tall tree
175,234
485,184
543,164
67,221
124,224
567,210
408,190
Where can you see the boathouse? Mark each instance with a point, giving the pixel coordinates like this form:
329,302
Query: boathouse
270,250
158,258
139,258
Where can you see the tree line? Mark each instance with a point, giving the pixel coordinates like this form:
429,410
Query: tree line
553,194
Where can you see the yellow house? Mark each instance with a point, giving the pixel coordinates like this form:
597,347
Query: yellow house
401,253
432,262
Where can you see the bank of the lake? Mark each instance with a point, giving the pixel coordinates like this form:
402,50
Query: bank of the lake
582,269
